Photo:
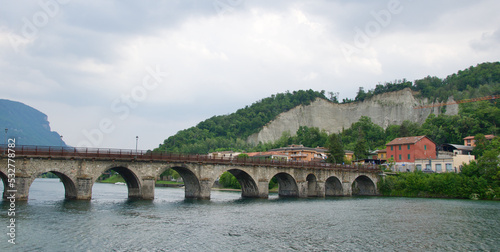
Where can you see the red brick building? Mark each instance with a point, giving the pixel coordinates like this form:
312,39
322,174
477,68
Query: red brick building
407,149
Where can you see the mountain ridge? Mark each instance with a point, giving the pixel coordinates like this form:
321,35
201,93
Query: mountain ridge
27,125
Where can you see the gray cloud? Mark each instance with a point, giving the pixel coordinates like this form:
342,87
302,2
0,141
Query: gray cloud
222,55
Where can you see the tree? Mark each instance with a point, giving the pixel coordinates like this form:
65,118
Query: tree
334,97
361,148
361,95
335,149
481,145
408,128
228,180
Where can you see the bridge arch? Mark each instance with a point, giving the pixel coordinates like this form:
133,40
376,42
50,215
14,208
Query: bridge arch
287,185
4,178
131,179
333,187
70,190
312,185
363,185
192,184
249,188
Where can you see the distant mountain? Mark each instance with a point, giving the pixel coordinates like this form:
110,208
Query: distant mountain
26,124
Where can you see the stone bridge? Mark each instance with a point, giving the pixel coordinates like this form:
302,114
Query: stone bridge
79,169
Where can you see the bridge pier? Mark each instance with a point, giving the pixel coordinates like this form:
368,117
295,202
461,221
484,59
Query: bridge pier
263,186
205,189
22,189
320,189
346,188
84,188
148,188
303,189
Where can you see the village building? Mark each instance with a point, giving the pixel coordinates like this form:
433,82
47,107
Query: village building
274,155
470,140
419,153
224,154
374,157
408,149
348,156
450,158
301,153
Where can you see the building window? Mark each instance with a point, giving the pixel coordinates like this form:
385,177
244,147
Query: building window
408,156
392,156
419,167
425,147
392,147
438,168
400,157
408,146
428,167
400,147
448,167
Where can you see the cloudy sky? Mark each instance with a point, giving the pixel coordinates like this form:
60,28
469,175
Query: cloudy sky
107,71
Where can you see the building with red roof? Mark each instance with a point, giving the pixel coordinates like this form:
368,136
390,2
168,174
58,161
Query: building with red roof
407,149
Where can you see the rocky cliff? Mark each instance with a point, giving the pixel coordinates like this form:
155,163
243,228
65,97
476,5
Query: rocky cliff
384,110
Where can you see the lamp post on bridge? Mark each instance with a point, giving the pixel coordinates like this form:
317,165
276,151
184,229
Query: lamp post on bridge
61,142
136,143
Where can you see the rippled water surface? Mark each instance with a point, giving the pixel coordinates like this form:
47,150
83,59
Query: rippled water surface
110,222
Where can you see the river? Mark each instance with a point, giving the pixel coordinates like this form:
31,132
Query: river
110,222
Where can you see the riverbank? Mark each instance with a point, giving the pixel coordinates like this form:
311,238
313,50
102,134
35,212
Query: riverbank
439,185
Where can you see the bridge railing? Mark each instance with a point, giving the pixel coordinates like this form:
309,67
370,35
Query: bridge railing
142,155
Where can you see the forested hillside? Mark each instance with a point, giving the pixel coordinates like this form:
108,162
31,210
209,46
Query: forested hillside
230,131
481,80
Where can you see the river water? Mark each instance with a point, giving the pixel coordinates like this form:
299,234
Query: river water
110,222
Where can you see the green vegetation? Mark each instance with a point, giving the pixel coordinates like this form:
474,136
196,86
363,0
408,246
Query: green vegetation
169,182
170,174
336,151
228,180
113,179
231,131
48,175
478,81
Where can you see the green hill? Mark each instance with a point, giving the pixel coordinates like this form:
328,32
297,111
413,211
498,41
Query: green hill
231,131
26,124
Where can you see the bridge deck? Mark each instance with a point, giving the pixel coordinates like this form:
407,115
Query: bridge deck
141,155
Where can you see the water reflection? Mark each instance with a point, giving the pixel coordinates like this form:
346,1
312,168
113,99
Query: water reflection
111,222
73,206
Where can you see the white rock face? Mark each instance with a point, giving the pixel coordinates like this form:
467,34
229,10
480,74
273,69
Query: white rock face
384,110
